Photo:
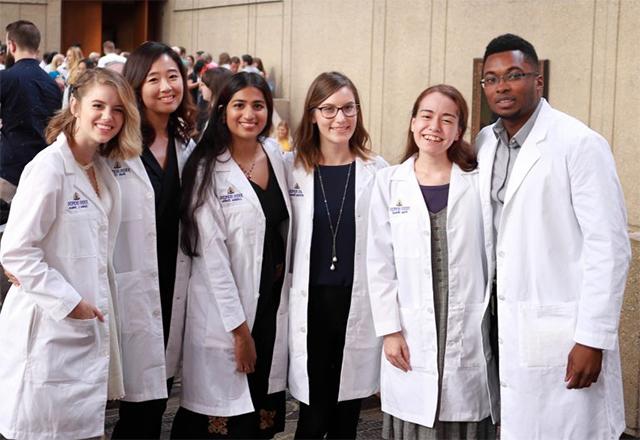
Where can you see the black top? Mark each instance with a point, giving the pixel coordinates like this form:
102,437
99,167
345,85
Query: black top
435,197
166,186
28,99
273,250
320,274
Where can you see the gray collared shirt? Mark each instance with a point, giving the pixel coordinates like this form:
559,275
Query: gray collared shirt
506,155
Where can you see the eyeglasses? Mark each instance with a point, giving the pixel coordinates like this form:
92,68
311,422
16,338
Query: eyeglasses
331,111
511,77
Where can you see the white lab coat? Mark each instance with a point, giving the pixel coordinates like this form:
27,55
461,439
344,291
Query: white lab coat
224,290
401,291
145,367
359,376
59,243
562,259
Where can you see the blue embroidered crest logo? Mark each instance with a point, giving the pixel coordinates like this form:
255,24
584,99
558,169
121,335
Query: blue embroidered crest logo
296,191
399,208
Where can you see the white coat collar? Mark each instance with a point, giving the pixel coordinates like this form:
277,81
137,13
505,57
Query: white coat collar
458,185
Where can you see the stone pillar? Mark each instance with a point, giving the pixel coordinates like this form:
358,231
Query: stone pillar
630,341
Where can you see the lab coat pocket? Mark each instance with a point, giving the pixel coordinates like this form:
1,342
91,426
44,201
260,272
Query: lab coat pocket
421,341
472,353
403,235
64,351
78,236
140,313
546,333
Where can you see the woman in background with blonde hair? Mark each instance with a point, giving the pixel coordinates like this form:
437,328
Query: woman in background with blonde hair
73,57
60,357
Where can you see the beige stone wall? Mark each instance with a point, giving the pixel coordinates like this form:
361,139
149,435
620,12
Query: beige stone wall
44,13
392,49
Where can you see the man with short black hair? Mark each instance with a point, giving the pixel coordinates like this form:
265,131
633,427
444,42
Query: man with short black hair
28,99
556,239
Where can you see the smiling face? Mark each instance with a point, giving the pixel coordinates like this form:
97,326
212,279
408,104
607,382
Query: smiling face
338,130
162,90
436,124
99,115
246,114
513,101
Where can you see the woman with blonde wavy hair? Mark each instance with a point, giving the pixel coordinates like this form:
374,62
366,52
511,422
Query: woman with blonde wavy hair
60,357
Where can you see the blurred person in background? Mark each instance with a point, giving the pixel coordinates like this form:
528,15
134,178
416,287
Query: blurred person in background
28,99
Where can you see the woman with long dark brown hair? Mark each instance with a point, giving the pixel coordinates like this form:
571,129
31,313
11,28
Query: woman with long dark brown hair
152,274
334,354
236,227
428,283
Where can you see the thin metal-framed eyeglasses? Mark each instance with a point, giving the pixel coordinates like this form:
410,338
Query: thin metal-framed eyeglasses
493,80
331,111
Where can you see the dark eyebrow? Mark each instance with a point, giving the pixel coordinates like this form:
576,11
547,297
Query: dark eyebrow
426,110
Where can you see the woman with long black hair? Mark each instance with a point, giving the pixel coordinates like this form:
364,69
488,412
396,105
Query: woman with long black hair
151,272
235,216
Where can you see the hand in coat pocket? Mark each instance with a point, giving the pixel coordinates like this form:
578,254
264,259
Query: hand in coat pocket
85,310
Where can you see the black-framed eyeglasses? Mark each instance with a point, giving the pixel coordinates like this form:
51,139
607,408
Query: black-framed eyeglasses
510,77
331,111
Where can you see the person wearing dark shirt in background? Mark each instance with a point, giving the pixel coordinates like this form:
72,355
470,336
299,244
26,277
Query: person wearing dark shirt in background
28,99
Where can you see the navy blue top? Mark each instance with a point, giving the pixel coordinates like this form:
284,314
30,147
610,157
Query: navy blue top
435,197
320,274
28,99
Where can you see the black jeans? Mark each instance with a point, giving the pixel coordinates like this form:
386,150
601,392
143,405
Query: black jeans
328,313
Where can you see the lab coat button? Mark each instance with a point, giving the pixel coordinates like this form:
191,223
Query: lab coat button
429,310
156,313
149,195
503,384
500,341
303,329
303,293
501,297
501,254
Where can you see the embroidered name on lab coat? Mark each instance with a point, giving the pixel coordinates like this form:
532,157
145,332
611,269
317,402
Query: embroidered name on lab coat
77,203
231,196
296,191
120,171
399,208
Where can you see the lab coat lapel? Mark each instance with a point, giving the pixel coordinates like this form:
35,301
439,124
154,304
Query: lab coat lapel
458,185
413,197
236,177
80,182
529,154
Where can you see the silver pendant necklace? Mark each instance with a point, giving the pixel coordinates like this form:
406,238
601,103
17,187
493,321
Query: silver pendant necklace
334,231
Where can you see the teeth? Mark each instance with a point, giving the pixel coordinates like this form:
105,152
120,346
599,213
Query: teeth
432,138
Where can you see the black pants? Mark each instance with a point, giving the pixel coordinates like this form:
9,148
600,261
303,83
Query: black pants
328,313
141,420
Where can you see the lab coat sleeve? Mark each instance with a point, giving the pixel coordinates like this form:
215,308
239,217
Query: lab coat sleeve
381,270
219,277
33,212
598,204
